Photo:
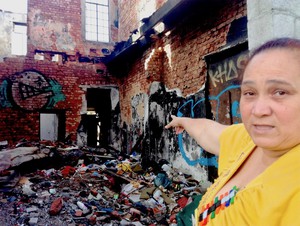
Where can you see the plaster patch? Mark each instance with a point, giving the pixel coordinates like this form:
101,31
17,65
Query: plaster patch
45,33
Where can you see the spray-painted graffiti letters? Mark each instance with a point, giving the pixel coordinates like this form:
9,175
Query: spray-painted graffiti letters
227,70
30,90
193,106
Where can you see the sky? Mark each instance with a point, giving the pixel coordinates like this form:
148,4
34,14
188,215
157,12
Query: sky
17,6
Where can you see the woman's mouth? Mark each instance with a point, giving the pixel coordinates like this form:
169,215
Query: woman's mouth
262,128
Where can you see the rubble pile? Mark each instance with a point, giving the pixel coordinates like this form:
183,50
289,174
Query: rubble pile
69,186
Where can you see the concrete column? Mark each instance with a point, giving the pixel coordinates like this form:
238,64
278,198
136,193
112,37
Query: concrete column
269,19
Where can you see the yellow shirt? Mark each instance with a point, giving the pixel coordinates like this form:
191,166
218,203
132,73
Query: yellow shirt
272,198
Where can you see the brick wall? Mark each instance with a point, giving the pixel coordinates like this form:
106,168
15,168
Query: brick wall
58,26
36,83
168,73
21,119
185,67
171,72
131,12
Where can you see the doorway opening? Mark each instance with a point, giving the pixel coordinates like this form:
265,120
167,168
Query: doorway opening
52,126
98,123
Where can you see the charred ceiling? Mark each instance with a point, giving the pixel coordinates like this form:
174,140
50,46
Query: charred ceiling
171,14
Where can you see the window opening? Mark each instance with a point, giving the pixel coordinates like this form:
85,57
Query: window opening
96,20
16,6
19,39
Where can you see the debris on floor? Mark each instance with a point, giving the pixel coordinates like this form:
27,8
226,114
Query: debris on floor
53,184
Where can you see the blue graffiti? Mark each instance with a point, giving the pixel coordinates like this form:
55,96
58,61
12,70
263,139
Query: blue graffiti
202,160
235,110
212,161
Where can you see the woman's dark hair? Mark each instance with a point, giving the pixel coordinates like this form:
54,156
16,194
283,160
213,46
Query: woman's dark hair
279,43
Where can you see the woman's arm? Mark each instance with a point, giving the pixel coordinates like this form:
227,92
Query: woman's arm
205,131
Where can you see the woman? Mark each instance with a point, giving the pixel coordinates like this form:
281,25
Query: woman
259,159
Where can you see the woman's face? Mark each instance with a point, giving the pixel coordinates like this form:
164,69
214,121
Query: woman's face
270,99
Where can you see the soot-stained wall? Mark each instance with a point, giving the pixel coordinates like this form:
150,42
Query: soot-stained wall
171,77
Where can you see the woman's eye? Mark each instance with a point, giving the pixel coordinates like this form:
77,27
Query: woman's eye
280,92
248,93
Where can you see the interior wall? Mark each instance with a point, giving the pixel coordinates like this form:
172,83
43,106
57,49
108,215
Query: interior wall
48,78
170,78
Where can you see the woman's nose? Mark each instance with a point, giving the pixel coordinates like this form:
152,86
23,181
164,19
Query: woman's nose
261,107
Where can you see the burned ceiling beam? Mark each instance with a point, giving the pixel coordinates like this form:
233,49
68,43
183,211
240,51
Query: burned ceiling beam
119,60
170,14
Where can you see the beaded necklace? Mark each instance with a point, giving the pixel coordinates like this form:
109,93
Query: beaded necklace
211,209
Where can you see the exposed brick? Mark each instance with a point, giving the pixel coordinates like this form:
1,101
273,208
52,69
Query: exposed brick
189,43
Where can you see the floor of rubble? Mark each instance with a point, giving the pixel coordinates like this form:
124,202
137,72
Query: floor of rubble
92,186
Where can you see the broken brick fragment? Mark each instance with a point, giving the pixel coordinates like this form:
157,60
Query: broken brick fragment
56,206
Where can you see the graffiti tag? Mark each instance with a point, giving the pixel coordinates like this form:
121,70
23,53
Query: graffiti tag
227,71
212,161
30,90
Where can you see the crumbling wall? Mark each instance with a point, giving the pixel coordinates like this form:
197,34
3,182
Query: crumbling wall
132,12
7,20
171,78
51,77
59,26
29,87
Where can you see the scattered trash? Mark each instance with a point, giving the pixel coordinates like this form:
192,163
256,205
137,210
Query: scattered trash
89,186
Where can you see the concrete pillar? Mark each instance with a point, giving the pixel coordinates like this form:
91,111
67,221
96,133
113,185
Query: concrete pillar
269,19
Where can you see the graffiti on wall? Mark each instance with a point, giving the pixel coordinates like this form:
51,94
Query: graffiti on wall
192,108
30,90
224,70
227,70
